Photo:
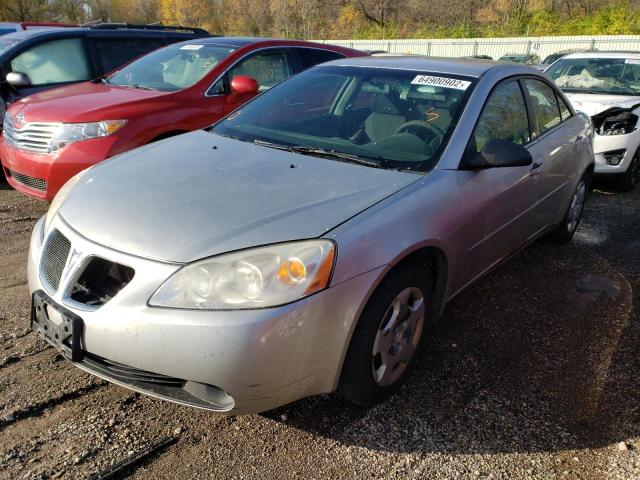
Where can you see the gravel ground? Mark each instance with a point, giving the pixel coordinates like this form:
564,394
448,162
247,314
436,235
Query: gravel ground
534,373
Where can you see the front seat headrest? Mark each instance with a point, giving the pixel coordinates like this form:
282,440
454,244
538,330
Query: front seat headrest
384,103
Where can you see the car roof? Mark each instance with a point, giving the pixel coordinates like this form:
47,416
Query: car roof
244,41
470,67
25,34
601,54
230,41
33,33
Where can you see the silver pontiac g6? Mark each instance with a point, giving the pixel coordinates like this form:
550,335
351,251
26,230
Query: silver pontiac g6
308,242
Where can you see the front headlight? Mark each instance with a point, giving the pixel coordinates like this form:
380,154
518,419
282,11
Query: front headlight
73,132
255,278
60,197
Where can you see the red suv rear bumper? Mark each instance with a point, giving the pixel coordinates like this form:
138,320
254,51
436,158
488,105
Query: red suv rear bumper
42,175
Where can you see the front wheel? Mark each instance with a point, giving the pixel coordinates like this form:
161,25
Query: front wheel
388,337
567,229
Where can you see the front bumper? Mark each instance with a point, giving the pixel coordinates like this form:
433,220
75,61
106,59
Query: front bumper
261,358
602,144
42,175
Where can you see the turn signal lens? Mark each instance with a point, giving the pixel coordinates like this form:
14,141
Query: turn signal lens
321,280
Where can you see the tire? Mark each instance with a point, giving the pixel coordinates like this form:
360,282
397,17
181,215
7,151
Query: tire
368,375
567,229
628,180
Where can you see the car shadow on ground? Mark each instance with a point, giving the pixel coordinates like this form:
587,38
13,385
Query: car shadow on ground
541,355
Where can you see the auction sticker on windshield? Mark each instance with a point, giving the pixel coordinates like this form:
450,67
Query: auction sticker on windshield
443,82
191,47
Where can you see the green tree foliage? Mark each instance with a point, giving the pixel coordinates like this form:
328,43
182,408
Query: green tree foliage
380,19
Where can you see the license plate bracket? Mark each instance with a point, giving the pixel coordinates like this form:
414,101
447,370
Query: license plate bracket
65,333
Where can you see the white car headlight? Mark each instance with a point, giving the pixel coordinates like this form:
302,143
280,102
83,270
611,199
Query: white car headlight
60,197
73,132
255,278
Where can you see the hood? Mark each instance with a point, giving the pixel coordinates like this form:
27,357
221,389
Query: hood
200,194
592,104
81,102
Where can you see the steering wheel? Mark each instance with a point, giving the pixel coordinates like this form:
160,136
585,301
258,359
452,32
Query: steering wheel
423,130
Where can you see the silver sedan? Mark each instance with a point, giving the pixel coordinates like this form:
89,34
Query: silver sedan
308,242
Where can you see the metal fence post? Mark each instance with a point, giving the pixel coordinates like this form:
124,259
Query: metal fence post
593,44
475,48
528,47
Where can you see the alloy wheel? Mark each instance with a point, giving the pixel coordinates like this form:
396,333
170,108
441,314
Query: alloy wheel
577,205
398,336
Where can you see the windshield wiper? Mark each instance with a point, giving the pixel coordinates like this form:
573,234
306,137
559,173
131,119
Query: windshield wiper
301,149
140,87
346,157
277,146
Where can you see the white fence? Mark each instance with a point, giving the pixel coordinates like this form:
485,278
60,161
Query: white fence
495,47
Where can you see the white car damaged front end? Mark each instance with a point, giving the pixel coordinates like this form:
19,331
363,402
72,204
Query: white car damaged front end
616,121
606,86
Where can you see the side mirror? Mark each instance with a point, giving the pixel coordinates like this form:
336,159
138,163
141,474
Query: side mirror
500,153
244,84
18,79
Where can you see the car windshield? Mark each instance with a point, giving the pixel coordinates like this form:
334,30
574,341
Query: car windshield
553,57
171,68
619,76
7,44
383,118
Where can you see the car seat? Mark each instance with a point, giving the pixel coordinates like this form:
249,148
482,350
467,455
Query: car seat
386,116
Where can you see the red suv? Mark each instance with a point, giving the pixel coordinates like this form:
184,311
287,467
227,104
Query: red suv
51,136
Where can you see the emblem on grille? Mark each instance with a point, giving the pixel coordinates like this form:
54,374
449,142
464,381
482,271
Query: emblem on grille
72,263
19,120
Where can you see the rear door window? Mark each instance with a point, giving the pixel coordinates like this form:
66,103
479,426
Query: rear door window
313,56
115,52
545,104
268,68
57,61
504,117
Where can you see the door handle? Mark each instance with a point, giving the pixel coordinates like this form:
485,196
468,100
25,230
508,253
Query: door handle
536,169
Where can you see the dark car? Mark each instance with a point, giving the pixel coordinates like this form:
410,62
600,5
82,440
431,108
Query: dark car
526,58
479,57
36,60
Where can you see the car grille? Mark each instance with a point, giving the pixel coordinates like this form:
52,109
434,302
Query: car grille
32,137
31,182
100,281
54,258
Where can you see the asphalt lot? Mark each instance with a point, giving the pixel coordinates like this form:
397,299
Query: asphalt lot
534,373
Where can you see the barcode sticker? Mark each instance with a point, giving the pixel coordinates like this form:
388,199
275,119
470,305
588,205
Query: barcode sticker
444,82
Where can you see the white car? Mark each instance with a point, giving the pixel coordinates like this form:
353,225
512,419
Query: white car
606,86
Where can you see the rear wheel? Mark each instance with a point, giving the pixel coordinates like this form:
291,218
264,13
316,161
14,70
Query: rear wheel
388,337
629,179
565,231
